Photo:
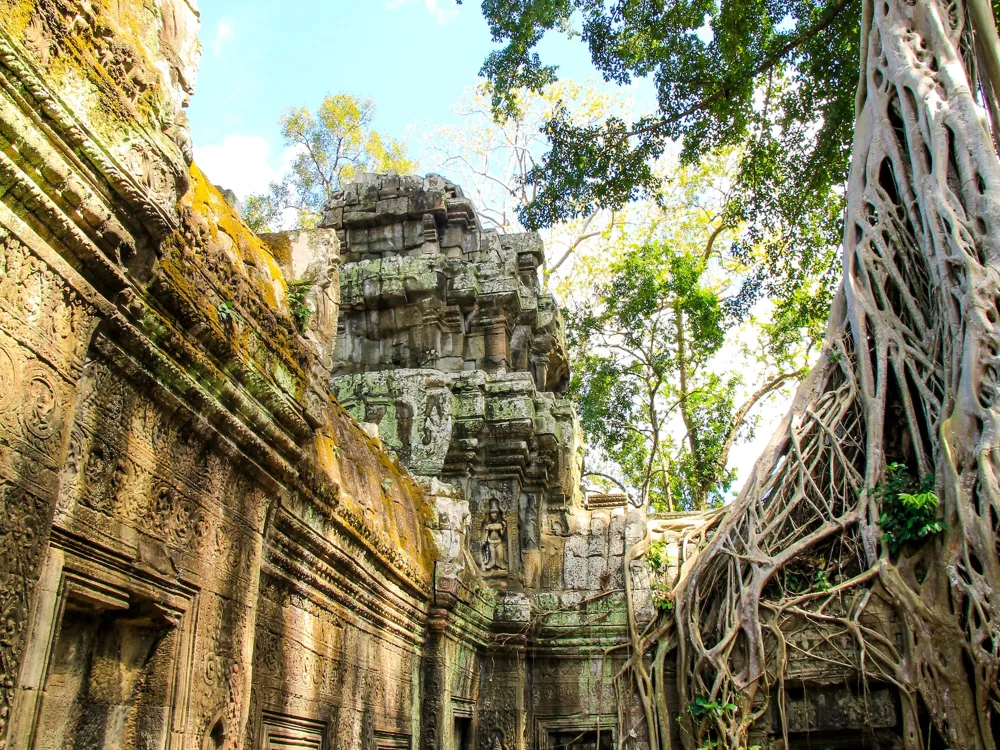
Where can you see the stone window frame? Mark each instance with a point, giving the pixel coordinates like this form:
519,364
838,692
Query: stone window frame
303,730
393,740
89,576
543,726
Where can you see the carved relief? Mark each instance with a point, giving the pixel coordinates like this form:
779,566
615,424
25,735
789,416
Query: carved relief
102,36
22,533
149,170
498,718
129,461
494,540
835,710
40,309
221,692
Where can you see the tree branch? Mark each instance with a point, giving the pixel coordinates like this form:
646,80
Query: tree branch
764,67
610,478
741,413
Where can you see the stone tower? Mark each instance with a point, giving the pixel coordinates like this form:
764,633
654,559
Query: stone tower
448,347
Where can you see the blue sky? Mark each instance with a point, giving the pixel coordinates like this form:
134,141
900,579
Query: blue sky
414,58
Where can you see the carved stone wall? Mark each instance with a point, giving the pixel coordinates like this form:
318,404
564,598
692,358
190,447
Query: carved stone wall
449,349
200,547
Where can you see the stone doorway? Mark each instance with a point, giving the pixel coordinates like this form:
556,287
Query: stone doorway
462,734
109,680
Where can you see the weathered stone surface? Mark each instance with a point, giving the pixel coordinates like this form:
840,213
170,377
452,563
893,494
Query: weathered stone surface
198,546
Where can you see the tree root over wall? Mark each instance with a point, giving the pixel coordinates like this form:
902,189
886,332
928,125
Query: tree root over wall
910,373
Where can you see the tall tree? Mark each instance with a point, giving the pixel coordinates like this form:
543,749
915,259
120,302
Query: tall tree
774,80
649,386
908,376
330,147
493,160
666,375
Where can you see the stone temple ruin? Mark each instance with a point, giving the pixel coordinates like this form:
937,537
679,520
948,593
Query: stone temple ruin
219,531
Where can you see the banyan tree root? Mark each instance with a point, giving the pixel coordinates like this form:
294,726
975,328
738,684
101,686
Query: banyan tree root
796,572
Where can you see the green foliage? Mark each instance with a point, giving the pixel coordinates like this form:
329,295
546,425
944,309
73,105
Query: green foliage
298,291
386,484
663,595
227,312
262,213
641,349
661,358
659,563
332,145
774,80
705,712
909,508
805,574
656,556
703,708
820,581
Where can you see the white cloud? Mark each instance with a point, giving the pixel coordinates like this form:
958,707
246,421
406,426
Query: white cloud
442,11
241,163
225,32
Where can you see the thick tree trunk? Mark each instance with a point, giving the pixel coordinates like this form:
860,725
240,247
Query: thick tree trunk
909,374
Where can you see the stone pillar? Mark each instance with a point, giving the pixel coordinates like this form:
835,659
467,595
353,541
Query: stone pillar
497,340
434,714
503,710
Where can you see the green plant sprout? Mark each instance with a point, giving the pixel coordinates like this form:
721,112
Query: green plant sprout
298,291
227,312
909,508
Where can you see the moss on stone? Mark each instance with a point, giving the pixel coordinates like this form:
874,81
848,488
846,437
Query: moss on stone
280,244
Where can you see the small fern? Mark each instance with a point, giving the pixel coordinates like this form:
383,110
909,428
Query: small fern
909,508
227,312
298,291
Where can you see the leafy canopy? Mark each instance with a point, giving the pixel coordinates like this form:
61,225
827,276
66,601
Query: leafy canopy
667,372
331,146
645,395
775,79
